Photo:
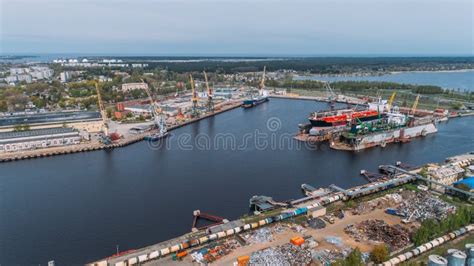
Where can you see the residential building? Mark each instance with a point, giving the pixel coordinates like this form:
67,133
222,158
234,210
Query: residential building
134,86
38,138
64,77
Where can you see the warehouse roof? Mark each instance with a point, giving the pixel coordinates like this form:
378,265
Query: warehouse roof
49,118
35,132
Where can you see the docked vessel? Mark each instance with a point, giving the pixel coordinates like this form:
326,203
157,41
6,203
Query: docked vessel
339,119
163,133
381,137
254,101
261,97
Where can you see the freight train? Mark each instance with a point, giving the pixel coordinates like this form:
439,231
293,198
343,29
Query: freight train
193,242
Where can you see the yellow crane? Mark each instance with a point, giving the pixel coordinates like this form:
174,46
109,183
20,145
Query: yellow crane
210,103
262,82
105,126
390,101
415,104
194,97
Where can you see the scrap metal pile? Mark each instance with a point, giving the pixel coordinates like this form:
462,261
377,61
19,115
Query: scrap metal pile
287,254
260,236
214,251
378,203
424,206
395,236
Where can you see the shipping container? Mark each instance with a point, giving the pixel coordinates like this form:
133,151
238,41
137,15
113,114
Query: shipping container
297,241
247,227
213,237
203,239
254,225
261,222
221,235
243,260
182,254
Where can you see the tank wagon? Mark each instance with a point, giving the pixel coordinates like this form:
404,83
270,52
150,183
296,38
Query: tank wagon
427,246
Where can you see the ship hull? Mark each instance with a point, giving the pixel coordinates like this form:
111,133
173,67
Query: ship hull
254,102
383,138
155,137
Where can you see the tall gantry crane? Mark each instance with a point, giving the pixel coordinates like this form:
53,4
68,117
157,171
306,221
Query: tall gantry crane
194,97
105,126
210,95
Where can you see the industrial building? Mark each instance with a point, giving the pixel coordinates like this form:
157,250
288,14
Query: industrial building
38,138
84,121
446,174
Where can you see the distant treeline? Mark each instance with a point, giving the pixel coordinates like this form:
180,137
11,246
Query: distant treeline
321,65
357,86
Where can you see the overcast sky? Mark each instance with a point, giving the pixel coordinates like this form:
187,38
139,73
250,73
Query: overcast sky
251,27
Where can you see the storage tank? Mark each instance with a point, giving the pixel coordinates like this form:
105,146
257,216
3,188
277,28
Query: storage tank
470,250
457,258
436,260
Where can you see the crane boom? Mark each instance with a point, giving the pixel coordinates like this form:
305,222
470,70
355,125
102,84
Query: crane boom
194,97
105,127
390,101
415,104
262,82
210,104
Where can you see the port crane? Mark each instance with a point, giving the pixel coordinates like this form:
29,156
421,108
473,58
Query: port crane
330,93
104,138
261,85
390,101
156,113
194,98
210,95
415,104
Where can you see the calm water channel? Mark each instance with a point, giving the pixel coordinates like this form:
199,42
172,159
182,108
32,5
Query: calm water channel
77,208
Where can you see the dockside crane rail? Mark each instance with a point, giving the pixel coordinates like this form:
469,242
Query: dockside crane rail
210,95
105,126
415,104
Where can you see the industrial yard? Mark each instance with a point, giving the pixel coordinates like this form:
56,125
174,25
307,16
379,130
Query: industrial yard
325,227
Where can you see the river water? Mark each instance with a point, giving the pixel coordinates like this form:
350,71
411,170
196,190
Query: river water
462,80
76,208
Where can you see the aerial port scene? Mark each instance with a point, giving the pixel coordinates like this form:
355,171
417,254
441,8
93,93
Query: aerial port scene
236,132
